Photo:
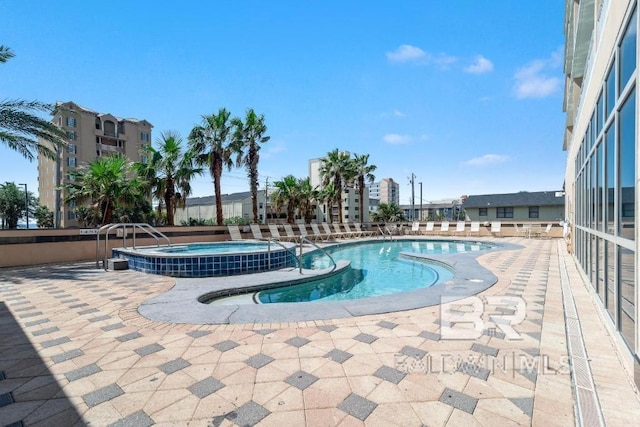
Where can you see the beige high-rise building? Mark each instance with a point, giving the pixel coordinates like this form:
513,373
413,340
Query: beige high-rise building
386,190
90,135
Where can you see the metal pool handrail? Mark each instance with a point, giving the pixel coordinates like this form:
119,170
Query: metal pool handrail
304,239
150,230
271,239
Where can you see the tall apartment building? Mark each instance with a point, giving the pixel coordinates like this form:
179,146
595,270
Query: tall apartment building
386,190
601,140
90,135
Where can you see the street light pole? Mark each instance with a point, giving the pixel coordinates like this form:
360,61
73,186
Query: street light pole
26,203
420,219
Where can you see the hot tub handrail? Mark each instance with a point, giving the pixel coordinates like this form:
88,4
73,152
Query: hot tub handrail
303,240
274,240
147,228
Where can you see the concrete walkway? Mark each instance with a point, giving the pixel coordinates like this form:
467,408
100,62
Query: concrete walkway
75,351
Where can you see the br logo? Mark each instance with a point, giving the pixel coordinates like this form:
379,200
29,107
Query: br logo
471,317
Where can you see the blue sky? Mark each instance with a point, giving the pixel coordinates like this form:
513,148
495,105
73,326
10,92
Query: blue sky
466,95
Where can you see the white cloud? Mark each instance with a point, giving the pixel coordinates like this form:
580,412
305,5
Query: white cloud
487,160
536,79
396,139
272,148
406,53
394,113
480,65
443,60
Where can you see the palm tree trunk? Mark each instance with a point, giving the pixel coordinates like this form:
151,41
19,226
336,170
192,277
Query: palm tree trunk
361,197
216,173
339,192
253,180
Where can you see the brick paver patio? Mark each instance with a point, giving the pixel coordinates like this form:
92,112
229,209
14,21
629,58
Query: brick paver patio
75,351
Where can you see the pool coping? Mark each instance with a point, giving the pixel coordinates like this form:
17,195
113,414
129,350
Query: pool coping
181,303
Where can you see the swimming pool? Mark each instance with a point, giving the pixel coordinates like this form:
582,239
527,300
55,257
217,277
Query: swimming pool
377,269
209,259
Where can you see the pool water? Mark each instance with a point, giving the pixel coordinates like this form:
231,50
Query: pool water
377,269
217,248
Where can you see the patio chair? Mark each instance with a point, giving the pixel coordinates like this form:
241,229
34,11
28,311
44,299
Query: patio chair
275,233
365,233
328,231
429,228
255,230
319,234
496,228
338,232
415,227
474,228
303,232
353,233
234,232
444,228
546,233
520,231
460,228
290,233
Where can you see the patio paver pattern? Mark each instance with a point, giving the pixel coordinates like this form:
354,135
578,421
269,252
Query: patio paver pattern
75,351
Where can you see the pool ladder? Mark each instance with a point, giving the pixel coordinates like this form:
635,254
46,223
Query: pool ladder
148,229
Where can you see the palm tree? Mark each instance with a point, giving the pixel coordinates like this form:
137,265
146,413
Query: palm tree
20,127
364,174
335,168
286,193
247,137
106,183
170,171
210,143
306,196
328,195
388,213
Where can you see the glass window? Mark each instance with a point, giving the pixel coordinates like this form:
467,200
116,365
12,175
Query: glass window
611,89
611,279
599,114
71,135
71,215
504,212
71,161
626,299
482,212
627,166
71,122
71,148
610,140
599,185
534,212
628,52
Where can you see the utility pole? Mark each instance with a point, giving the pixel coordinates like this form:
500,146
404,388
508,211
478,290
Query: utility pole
413,196
266,197
420,219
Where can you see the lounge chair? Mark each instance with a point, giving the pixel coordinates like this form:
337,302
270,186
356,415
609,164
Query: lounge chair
520,231
496,228
365,233
353,233
290,233
475,228
275,234
234,232
339,233
415,227
328,231
303,232
255,230
444,228
460,228
429,228
319,235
